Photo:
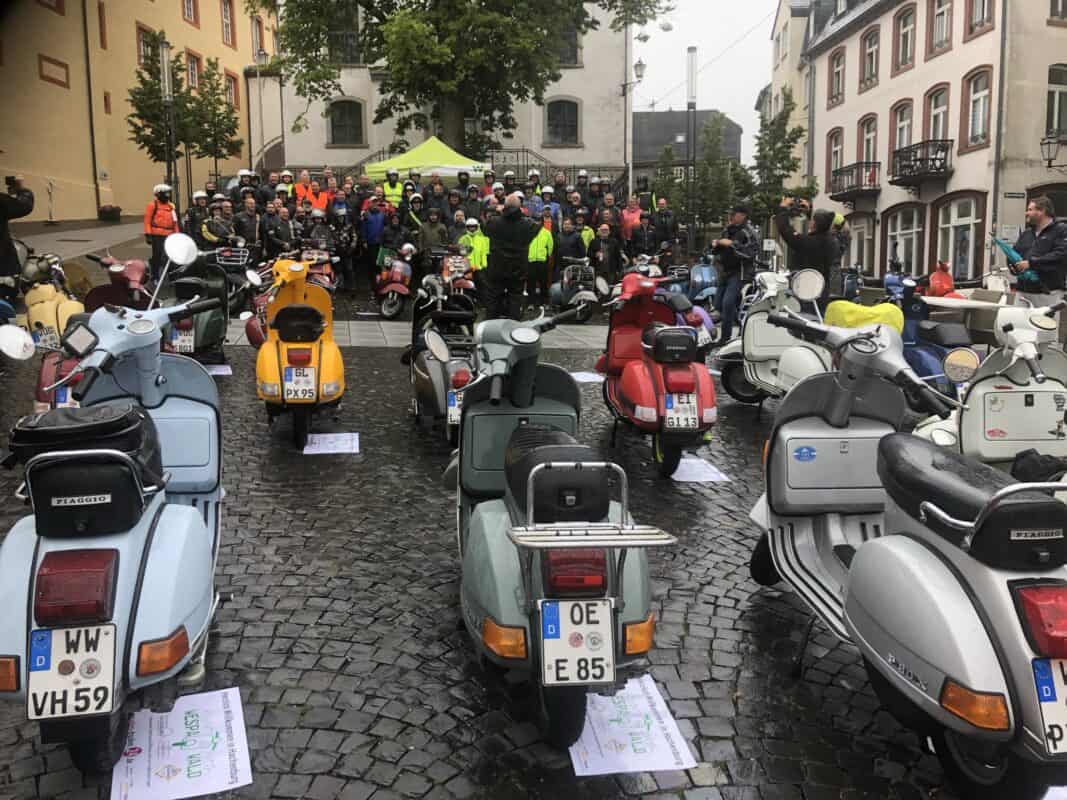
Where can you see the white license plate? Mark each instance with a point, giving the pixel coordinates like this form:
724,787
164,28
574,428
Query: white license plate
63,398
46,337
183,341
455,407
681,412
300,383
703,337
577,645
71,672
1050,678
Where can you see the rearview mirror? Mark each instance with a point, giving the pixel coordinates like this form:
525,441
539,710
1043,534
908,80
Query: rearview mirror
959,365
437,346
16,343
180,249
807,285
253,277
602,286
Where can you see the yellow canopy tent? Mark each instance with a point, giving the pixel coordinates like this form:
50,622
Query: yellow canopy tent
433,155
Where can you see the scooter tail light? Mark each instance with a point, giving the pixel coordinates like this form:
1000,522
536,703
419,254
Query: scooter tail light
461,377
579,572
161,655
986,711
505,641
1044,612
75,586
184,324
693,319
298,356
679,380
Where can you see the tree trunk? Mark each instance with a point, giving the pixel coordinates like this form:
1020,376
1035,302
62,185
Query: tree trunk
451,119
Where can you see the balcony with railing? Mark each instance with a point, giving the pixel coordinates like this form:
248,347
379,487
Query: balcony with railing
921,162
862,179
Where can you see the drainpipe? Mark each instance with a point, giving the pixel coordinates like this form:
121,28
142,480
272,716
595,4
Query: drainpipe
89,90
994,218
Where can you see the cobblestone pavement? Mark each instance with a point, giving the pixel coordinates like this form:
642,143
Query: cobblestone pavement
357,683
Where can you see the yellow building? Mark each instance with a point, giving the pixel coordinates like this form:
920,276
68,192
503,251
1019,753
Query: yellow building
66,67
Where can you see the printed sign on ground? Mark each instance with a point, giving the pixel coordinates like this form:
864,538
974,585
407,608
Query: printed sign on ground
697,470
587,377
326,443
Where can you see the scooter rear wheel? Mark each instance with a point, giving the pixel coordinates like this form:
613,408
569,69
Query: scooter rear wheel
737,385
391,306
761,565
99,756
301,428
666,456
989,775
584,315
561,714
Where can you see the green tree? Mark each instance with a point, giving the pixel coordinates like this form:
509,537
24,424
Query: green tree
148,119
776,160
448,60
715,175
217,118
665,182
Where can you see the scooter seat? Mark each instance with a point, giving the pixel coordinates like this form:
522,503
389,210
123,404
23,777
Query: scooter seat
1024,532
454,317
679,303
298,323
944,334
670,345
564,495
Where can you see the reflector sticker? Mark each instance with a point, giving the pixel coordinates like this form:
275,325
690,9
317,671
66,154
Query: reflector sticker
550,620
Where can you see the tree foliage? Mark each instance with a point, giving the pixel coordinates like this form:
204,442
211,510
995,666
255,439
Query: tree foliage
216,118
776,160
148,119
714,175
442,61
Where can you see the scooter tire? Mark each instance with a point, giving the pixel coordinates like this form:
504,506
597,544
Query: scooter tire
737,385
584,315
1012,777
667,457
301,429
561,716
761,565
391,306
453,434
99,756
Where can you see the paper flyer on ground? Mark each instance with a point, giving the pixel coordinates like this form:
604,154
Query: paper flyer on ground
630,732
697,470
327,443
198,748
219,369
587,377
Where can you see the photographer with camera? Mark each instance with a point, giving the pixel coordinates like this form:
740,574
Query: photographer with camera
815,249
18,202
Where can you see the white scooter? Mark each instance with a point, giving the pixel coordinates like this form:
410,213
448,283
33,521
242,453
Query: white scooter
950,580
108,587
1016,398
765,360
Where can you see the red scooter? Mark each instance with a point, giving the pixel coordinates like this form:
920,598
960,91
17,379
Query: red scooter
655,377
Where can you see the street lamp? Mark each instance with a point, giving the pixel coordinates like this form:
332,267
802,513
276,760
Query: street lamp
1050,151
261,61
166,89
690,139
627,148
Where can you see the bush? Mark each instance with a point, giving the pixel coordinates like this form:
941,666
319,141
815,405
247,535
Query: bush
109,213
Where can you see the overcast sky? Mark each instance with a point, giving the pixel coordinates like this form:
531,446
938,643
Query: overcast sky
729,84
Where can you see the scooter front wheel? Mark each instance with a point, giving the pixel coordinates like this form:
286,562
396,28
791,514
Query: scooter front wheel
983,771
99,756
561,716
737,385
667,456
301,428
392,305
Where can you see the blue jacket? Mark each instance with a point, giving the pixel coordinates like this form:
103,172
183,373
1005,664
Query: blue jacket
372,226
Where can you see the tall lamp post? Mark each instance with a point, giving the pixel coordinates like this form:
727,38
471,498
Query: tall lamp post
691,143
261,61
166,87
627,145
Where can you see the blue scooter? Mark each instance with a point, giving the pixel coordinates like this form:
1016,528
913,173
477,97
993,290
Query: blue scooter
121,546
698,282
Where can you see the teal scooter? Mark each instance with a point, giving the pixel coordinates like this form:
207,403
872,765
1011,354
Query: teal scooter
555,582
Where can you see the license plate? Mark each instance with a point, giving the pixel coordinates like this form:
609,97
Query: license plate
71,672
1050,678
183,341
63,398
681,412
455,407
300,383
577,645
46,337
703,337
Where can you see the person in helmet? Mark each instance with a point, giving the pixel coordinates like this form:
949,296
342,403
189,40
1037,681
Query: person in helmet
454,203
319,230
287,178
488,179
533,179
495,201
548,200
581,185
160,221
244,179
510,184
196,215
393,188
414,214
559,185
217,229
416,178
477,244
594,200
510,235
433,235
472,205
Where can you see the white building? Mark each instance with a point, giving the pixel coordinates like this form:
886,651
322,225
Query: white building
579,125
926,121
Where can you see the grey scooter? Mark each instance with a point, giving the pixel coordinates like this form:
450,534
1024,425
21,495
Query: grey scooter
950,580
555,578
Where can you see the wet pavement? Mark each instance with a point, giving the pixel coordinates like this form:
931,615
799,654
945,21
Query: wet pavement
343,633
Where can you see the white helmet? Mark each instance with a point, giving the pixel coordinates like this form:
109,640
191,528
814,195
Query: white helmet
497,185
533,172
286,173
509,174
317,213
519,195
161,187
547,190
198,194
407,250
582,173
243,173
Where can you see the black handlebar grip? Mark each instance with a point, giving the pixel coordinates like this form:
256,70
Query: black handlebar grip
200,306
95,258
1035,370
1057,307
496,390
933,402
786,321
83,386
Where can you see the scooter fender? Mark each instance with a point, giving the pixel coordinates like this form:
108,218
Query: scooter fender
17,567
268,371
431,383
733,350
637,391
399,288
584,296
917,626
67,309
800,362
331,370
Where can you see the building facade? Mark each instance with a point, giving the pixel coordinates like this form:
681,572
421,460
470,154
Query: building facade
579,124
788,74
926,123
66,67
655,130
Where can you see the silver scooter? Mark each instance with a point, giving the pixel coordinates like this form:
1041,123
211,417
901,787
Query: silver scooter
108,587
948,577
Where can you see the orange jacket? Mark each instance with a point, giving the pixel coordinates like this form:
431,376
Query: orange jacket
299,190
320,200
160,219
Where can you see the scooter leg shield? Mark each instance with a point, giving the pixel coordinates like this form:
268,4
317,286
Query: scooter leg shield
915,624
798,363
16,568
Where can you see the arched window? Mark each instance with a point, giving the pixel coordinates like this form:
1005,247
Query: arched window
938,27
869,62
900,130
937,113
1056,116
835,90
835,153
867,139
976,110
903,229
562,123
960,231
346,124
904,39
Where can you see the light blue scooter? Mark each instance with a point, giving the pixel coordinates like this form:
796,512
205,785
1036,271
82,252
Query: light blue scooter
121,547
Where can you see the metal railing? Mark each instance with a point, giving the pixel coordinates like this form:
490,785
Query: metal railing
863,176
929,159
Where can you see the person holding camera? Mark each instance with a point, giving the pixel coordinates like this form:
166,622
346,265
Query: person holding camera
815,249
18,202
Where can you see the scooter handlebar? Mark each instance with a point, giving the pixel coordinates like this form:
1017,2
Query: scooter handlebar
802,327
1056,308
196,307
1035,369
549,323
95,258
922,395
496,390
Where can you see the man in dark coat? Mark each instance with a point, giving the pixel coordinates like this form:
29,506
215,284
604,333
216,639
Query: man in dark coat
509,235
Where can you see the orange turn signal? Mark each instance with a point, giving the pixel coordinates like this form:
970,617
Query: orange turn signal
161,655
986,711
639,636
505,642
9,674
763,455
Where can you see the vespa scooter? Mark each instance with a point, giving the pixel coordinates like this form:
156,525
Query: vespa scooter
555,581
393,284
49,304
298,368
946,576
655,379
121,547
578,287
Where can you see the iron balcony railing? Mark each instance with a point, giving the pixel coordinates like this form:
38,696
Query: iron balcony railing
863,177
922,161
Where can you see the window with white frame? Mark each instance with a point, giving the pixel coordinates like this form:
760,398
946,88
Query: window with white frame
257,35
193,68
226,10
870,57
1056,115
869,132
190,12
785,40
978,128
939,115
863,245
956,236
981,13
902,124
837,151
232,96
837,78
842,7
942,24
1058,9
904,239
906,39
